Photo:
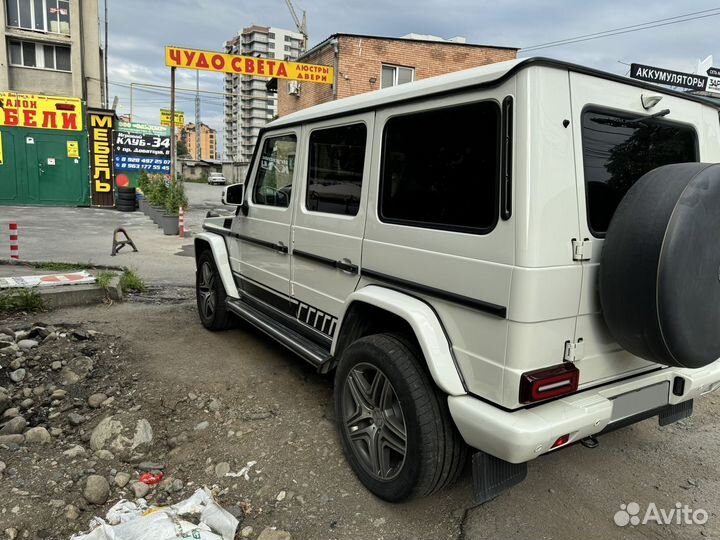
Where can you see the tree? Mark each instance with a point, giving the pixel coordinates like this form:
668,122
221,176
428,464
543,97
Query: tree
181,149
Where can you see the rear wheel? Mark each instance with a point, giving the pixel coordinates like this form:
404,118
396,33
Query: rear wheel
210,294
394,424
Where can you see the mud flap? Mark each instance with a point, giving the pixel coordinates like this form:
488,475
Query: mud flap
673,413
492,476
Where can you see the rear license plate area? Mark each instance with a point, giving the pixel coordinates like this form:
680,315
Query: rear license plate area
640,401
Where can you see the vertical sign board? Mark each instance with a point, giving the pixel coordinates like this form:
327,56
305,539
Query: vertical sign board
141,147
100,126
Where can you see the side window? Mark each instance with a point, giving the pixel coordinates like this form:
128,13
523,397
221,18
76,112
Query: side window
620,148
274,177
335,171
440,169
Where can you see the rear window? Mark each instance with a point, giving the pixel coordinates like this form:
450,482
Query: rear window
618,149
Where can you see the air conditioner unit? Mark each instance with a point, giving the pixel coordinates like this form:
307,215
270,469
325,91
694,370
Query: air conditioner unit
294,88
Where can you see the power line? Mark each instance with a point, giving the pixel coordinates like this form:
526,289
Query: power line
628,29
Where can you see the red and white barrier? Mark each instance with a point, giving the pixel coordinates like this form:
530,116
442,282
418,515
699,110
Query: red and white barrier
181,217
14,246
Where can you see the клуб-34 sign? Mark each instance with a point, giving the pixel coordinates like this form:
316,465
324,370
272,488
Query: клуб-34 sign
141,147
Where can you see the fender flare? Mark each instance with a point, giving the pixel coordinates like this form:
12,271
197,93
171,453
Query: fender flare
425,324
222,259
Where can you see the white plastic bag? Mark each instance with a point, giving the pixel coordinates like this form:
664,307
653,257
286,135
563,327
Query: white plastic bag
134,521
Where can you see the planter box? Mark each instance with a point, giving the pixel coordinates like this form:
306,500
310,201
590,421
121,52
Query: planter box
142,203
155,212
170,224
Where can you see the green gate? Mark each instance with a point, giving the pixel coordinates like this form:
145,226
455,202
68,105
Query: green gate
45,167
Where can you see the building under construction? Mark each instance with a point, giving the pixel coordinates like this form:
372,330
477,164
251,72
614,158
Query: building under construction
248,103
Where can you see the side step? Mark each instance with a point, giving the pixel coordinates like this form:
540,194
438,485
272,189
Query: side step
300,345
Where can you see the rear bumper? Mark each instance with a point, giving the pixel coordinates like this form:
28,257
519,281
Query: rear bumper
522,435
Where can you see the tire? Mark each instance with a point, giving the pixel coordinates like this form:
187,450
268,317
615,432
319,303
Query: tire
125,206
381,392
210,295
122,189
126,196
660,270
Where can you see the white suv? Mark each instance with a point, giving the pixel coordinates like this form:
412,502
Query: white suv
513,259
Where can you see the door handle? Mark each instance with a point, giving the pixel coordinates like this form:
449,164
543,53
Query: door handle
346,265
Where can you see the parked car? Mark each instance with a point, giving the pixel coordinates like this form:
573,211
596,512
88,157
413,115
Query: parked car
216,178
509,259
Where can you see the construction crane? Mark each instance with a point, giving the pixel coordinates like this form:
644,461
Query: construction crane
300,24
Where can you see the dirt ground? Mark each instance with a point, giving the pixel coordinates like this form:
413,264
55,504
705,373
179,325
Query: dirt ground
262,404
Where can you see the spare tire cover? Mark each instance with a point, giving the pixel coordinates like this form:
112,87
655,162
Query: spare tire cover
660,267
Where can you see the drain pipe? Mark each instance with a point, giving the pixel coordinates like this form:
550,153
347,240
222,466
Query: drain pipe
336,63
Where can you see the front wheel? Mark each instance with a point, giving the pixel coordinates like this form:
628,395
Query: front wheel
394,424
210,294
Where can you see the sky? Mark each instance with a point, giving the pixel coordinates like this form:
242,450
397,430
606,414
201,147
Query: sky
140,29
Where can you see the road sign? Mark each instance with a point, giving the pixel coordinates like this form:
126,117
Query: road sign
668,77
165,117
246,65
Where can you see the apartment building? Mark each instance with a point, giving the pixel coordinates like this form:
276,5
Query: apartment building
52,47
208,141
249,105
366,63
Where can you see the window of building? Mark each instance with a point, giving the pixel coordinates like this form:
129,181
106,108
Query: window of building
39,15
447,181
335,170
394,75
40,55
271,35
274,177
618,149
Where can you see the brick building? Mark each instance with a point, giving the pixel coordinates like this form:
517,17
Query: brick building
366,63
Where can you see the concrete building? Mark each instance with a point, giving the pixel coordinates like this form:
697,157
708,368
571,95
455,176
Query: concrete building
52,47
367,63
249,105
208,141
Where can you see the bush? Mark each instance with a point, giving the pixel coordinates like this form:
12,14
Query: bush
143,181
157,190
175,198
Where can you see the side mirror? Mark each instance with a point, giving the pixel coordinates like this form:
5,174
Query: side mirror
234,195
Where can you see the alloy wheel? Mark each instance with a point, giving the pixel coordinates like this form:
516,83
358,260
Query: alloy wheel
374,421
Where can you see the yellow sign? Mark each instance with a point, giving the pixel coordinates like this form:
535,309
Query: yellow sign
73,149
165,118
1,154
247,65
43,112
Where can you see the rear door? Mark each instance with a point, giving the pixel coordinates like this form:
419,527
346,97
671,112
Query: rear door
260,242
614,149
330,219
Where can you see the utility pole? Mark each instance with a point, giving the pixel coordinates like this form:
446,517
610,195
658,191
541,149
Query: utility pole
105,56
198,150
173,147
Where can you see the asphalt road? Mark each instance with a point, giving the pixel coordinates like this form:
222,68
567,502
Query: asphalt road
83,235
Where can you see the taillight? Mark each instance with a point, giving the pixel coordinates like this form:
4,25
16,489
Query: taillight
549,382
